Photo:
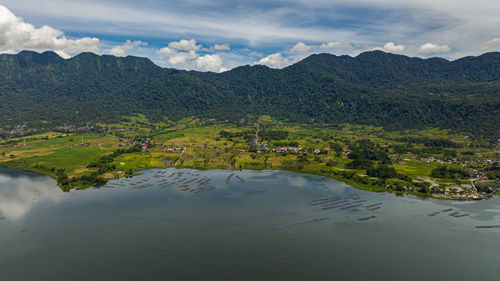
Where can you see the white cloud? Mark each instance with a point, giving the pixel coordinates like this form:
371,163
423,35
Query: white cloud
180,59
492,44
256,54
122,50
274,61
165,52
210,63
127,18
221,47
180,53
184,54
217,47
335,45
391,48
299,58
300,48
16,35
429,48
462,25
17,195
185,45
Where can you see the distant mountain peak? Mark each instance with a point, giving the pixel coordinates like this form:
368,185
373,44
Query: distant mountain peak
373,88
87,55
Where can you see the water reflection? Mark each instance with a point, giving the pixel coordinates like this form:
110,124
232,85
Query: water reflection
297,181
20,191
243,225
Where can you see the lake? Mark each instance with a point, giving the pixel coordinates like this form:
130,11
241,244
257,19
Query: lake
186,224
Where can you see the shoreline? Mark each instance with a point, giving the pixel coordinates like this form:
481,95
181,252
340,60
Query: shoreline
348,182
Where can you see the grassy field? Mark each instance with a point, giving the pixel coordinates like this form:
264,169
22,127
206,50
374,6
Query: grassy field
415,168
103,154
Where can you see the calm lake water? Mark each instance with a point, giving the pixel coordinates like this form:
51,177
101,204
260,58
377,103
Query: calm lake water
254,225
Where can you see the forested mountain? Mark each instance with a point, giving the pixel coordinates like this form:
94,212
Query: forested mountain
373,88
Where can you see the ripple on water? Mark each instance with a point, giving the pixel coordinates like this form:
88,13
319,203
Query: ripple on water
168,229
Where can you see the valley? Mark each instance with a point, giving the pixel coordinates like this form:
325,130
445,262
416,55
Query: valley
430,163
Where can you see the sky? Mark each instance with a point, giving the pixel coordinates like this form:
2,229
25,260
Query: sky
218,35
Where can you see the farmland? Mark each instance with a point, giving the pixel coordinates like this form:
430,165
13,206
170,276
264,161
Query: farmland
430,162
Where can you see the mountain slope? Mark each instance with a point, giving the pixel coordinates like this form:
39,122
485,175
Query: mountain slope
374,88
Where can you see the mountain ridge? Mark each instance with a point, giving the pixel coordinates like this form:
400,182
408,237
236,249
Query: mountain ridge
357,57
373,88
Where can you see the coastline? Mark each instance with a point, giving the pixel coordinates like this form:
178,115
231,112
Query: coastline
351,183
366,158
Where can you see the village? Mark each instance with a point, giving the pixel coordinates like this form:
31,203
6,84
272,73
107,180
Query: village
210,144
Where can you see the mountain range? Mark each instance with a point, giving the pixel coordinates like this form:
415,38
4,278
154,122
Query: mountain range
374,88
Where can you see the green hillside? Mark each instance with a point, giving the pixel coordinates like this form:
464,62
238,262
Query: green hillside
374,88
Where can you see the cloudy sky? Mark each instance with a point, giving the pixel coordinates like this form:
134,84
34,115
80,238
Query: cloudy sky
216,35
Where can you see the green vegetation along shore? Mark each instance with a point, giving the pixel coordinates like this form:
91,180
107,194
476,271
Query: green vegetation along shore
429,162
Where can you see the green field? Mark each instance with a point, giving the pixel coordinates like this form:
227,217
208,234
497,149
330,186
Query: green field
398,161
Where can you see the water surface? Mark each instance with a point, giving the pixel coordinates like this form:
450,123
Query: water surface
254,225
